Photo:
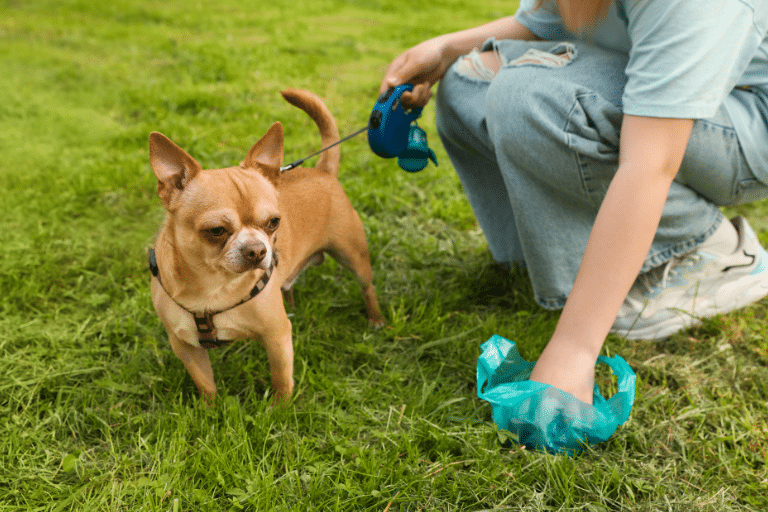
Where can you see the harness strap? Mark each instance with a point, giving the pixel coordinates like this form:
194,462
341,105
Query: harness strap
206,330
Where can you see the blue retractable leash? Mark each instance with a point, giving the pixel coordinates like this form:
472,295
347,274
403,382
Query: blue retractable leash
392,132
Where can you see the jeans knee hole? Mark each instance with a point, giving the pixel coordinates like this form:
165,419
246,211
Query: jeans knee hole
476,64
557,57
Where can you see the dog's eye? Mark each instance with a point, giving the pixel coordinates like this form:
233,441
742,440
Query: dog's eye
216,232
274,223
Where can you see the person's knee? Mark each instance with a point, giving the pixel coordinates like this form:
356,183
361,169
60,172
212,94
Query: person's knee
460,105
512,108
526,81
480,65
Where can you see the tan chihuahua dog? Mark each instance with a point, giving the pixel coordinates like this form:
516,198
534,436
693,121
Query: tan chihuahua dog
234,237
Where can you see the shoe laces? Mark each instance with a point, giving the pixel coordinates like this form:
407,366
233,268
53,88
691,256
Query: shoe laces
658,277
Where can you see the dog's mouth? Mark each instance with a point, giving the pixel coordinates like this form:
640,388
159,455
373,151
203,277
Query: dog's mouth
265,263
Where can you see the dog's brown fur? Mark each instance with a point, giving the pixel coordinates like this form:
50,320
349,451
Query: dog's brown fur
221,234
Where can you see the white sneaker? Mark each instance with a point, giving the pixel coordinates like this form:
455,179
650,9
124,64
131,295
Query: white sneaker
698,284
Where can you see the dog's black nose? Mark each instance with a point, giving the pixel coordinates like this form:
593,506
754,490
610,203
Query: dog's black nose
254,253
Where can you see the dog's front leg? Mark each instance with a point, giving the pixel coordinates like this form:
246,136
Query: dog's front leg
198,364
278,343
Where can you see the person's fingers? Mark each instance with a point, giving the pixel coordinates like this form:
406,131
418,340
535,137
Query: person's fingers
418,97
396,74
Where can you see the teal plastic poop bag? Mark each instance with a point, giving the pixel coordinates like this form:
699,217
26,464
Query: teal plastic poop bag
542,416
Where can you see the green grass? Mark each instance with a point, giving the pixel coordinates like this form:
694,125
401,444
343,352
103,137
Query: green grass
96,413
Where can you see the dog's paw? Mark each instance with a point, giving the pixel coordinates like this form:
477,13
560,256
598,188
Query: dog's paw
376,322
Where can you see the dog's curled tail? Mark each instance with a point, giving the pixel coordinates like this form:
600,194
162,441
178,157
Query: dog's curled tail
329,132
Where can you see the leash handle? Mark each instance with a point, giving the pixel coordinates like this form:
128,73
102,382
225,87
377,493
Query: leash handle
389,123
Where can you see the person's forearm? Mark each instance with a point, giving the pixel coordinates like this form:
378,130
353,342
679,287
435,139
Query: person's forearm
650,156
621,237
462,42
426,63
624,228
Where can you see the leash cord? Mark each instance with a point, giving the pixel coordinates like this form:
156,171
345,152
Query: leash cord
299,162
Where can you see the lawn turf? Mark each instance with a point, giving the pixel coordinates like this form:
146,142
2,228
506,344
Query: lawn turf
96,413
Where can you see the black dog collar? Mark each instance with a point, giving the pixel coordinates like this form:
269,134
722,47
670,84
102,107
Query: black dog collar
206,331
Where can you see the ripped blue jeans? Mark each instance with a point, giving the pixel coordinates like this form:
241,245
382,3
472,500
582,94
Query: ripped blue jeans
537,144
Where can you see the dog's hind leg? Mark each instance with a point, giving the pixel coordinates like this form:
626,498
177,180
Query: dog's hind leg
351,250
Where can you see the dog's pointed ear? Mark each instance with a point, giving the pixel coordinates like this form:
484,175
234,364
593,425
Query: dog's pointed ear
266,156
173,167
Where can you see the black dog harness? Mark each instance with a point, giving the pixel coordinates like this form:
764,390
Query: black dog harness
206,331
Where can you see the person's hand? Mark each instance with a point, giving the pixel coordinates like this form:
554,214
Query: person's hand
426,63
423,65
568,368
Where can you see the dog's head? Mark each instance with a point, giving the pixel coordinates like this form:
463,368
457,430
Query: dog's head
221,219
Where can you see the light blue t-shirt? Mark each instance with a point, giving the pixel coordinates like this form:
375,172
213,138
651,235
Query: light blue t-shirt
686,59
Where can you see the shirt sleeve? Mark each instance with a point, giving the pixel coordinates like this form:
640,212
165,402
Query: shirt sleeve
686,55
